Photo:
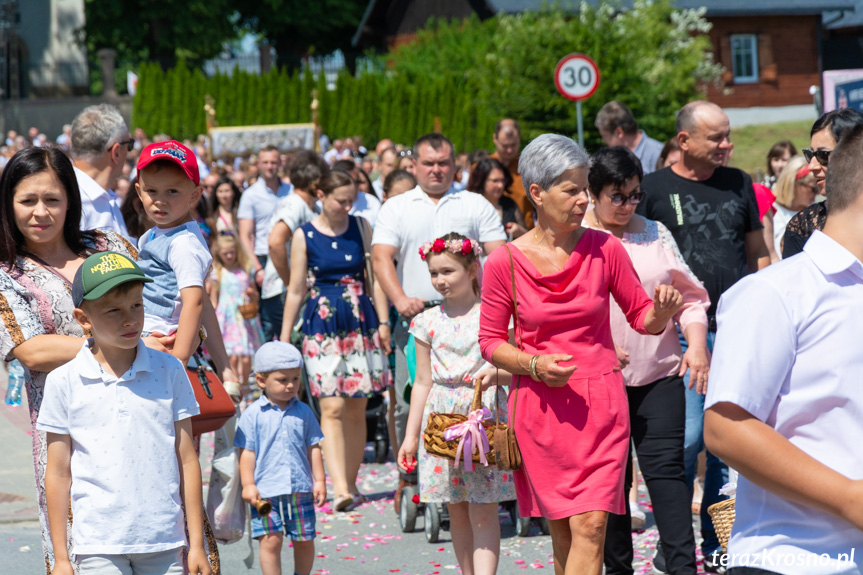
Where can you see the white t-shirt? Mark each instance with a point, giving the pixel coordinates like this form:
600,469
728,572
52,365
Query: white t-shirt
409,220
366,206
125,475
294,211
258,203
190,259
787,351
100,208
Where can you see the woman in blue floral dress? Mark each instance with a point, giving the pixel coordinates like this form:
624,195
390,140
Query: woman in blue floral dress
343,345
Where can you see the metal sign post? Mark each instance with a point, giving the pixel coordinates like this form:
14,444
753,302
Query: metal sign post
577,78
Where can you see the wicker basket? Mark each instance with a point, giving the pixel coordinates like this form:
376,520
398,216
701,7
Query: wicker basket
248,310
722,514
433,436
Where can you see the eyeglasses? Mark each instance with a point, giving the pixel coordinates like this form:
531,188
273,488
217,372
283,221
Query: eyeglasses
821,155
406,153
130,144
620,199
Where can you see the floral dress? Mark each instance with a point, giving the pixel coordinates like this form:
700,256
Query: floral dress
455,359
341,346
242,336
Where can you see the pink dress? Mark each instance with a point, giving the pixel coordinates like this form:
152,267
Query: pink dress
574,439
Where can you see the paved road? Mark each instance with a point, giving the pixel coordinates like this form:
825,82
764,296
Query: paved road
367,540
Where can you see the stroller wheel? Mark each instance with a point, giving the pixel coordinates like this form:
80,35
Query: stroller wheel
382,449
408,509
432,523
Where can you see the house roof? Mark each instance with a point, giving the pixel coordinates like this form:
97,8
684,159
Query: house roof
837,13
846,19
714,7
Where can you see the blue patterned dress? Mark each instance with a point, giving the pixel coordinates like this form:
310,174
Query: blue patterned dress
341,346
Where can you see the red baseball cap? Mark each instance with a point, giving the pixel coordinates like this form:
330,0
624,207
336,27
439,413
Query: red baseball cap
171,151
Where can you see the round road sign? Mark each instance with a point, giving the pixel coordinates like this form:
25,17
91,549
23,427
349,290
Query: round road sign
576,77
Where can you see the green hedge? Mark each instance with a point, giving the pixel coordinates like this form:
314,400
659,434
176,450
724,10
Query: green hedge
373,104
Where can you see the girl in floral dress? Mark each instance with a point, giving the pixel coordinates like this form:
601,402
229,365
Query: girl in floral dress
229,286
343,345
448,362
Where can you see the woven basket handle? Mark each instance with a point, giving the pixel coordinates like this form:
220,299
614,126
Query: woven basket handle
477,395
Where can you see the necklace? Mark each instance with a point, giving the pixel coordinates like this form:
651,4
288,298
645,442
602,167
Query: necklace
542,252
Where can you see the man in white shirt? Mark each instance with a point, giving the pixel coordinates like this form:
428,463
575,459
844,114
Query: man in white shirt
100,144
405,222
784,403
257,205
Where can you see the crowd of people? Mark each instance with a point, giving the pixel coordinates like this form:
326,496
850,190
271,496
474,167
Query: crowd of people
584,294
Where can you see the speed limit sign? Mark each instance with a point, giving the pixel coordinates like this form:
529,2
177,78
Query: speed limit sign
576,77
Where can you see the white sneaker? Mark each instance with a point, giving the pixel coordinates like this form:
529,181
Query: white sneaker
637,515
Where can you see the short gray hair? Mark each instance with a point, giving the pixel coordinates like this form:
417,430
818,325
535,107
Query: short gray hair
96,129
547,157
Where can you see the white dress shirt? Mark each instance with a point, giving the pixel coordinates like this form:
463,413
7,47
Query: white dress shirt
788,352
125,475
100,208
409,220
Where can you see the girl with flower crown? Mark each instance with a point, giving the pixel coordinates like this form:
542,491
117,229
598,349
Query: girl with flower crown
448,361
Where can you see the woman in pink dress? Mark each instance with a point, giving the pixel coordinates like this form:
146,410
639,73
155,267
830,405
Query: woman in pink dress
567,401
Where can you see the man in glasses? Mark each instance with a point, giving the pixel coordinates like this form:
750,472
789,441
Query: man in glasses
100,143
712,213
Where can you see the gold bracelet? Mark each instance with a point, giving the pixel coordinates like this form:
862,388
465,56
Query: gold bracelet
532,368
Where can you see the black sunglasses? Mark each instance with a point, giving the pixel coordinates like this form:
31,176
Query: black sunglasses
821,155
130,144
620,199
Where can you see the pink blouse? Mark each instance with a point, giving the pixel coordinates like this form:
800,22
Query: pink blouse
566,311
658,261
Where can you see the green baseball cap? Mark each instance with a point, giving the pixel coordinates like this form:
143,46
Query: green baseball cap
102,272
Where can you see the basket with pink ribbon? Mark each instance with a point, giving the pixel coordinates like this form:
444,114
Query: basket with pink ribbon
468,438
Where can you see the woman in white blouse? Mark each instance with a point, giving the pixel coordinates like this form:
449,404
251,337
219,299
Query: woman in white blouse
653,367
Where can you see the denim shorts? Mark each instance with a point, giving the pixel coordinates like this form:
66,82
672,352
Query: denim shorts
292,514
168,562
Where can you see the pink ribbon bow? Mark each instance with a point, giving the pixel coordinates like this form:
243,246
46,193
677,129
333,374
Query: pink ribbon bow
471,433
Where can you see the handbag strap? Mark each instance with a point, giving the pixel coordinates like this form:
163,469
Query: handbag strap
367,256
519,339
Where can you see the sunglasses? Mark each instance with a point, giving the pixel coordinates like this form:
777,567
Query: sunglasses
821,155
634,198
130,144
406,153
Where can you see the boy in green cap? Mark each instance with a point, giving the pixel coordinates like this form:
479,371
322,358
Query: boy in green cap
118,423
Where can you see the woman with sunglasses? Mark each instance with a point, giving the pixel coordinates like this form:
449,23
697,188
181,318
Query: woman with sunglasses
825,134
653,367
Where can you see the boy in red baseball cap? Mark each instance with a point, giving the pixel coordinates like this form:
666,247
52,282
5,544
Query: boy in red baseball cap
174,252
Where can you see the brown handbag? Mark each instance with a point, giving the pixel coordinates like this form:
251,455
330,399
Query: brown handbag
216,407
506,451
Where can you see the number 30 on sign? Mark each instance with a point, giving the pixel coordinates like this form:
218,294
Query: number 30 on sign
576,77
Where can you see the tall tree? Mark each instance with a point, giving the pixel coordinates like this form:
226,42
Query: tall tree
193,30
296,28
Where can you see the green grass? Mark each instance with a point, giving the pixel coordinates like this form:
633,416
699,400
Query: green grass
751,143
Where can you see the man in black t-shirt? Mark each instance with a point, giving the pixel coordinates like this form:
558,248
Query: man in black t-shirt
712,213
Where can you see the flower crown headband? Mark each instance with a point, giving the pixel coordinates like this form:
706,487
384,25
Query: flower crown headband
463,247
